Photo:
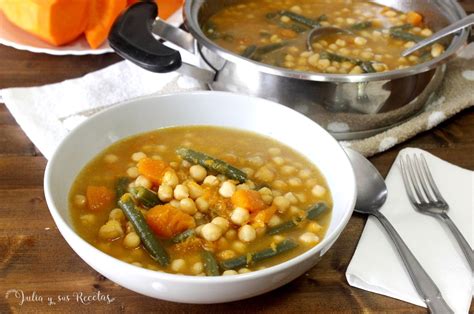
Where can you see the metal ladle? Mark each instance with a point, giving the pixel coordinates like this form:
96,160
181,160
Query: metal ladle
451,29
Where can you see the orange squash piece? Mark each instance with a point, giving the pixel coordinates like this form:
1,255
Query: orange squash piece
262,217
248,199
167,221
102,14
152,169
57,22
414,18
99,198
166,8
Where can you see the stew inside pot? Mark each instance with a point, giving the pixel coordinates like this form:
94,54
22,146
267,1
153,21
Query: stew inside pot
274,32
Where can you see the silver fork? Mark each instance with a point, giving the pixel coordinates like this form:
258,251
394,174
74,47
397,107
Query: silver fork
426,198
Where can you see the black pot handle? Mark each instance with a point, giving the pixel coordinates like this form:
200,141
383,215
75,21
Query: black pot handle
132,39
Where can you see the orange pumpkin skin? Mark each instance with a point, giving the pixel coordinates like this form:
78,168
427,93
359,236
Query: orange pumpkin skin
57,22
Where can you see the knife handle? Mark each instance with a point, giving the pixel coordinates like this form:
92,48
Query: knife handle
425,286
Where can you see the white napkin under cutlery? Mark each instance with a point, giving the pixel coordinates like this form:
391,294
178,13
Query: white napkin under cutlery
376,265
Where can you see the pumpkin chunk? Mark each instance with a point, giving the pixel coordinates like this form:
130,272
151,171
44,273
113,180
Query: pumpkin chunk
167,221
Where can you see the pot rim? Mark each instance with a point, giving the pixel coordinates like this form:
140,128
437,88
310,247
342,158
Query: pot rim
458,42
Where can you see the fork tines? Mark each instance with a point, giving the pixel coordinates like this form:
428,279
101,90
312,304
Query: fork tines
419,183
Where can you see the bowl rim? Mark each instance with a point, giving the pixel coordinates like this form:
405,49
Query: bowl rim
76,238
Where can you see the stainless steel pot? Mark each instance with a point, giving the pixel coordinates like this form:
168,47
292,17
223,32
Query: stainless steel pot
349,106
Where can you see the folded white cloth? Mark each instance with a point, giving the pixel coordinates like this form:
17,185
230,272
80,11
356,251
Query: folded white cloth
376,265
47,113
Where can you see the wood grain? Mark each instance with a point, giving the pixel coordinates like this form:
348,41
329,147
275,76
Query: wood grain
35,258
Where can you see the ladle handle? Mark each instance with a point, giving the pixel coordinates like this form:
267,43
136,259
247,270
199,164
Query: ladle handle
425,286
453,28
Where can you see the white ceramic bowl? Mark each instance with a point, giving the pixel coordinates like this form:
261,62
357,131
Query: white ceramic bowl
200,108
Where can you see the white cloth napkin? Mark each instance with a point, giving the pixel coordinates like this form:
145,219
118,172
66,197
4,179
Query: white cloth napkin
47,113
376,265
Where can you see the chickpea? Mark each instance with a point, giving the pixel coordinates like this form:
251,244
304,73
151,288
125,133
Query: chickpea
240,216
138,156
229,273
170,178
221,222
281,203
197,268
178,265
143,181
265,174
187,205
227,189
116,214
231,234
198,172
88,219
111,230
165,193
274,221
309,238
211,180
247,233
132,172
80,200
131,240
195,190
239,247
180,192
211,232
110,158
318,190
202,204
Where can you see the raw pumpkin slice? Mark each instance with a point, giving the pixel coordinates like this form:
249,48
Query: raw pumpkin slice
57,22
102,14
167,7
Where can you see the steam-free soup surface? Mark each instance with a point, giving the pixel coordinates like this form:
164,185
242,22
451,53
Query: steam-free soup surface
275,32
264,205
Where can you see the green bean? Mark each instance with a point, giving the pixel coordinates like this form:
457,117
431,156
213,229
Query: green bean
227,37
249,51
234,263
210,264
403,27
183,236
335,57
146,197
314,211
294,27
262,50
121,186
284,226
311,213
300,19
366,66
425,56
361,25
406,36
245,260
212,163
151,243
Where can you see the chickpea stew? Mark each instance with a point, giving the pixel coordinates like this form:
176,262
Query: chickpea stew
201,200
274,32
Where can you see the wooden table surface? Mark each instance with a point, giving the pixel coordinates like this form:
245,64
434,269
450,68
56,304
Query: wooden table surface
35,259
